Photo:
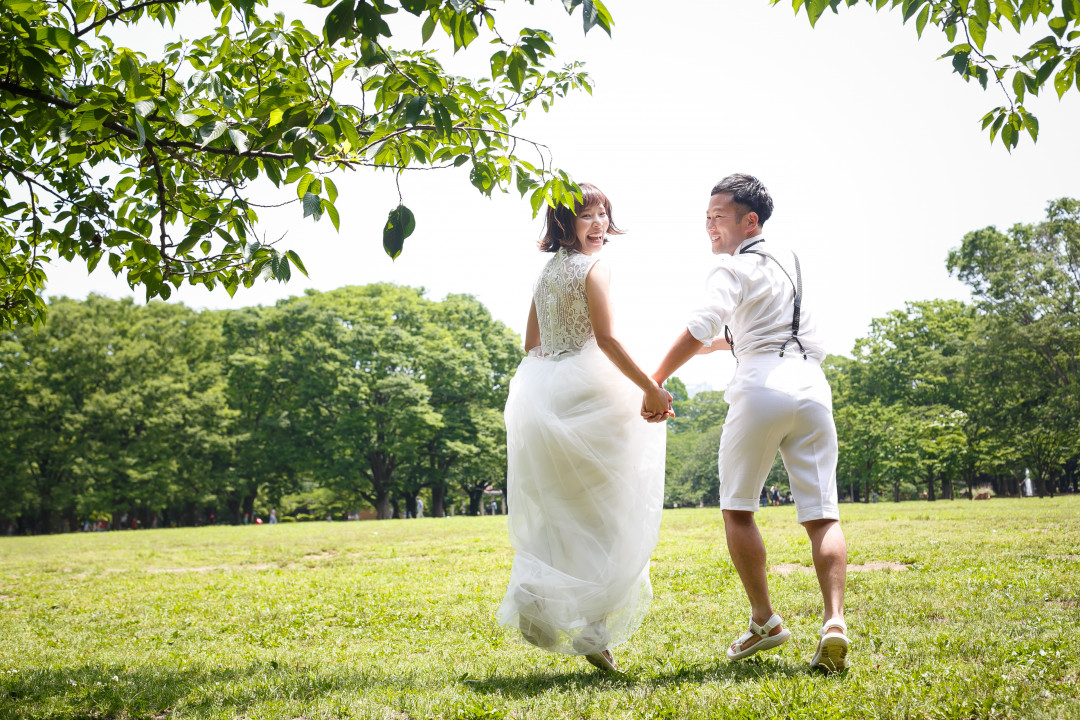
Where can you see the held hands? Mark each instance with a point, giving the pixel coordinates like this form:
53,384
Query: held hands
656,404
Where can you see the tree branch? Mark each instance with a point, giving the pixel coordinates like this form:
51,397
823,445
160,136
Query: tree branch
121,11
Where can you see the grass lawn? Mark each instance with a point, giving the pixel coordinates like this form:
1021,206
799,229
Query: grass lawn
394,620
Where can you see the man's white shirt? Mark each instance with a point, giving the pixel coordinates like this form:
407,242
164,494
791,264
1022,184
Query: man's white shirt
752,295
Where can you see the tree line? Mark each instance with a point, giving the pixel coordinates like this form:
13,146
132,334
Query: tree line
945,398
372,396
364,396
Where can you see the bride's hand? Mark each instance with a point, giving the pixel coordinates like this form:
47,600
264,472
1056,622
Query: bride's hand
656,404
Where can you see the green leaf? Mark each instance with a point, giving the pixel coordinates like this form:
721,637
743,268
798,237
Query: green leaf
144,107
211,131
515,70
339,21
982,12
332,211
331,189
304,184
1018,85
91,262
33,70
996,126
814,9
129,69
296,261
978,33
428,29
1031,123
186,119
140,131
414,109
1063,80
239,140
188,243
295,173
589,15
399,225
1071,10
920,22
1047,69
312,205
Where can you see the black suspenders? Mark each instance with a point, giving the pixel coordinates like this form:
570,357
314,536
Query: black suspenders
797,283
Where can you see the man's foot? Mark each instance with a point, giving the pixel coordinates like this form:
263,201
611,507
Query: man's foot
759,637
832,649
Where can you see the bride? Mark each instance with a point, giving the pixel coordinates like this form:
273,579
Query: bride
585,475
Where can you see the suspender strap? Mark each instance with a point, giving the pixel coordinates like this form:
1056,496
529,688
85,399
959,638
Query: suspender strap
796,313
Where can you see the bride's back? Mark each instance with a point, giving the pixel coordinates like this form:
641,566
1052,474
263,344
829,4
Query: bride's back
562,305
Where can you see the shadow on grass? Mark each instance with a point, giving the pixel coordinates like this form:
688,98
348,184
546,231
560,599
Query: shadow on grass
668,673
154,693
100,691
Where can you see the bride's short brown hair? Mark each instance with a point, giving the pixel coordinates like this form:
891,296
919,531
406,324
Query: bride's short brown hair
559,222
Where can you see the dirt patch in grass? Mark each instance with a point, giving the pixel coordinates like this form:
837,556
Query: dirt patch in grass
891,565
1064,602
324,555
211,568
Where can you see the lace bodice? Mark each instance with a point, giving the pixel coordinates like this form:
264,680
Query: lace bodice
562,307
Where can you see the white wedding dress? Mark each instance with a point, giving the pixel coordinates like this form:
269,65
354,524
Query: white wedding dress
585,480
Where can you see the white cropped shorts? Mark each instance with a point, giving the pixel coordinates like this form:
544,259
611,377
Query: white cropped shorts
779,403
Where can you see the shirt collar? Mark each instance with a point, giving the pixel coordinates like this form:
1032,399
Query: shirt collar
748,241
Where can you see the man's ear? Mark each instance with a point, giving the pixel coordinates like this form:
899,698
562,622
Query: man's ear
750,220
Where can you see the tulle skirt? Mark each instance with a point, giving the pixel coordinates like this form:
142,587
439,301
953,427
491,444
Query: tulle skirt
585,488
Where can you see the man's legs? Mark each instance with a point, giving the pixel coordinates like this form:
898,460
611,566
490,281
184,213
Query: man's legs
748,555
829,549
830,561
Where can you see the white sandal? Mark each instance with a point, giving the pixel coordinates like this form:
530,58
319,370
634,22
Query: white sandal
765,641
832,649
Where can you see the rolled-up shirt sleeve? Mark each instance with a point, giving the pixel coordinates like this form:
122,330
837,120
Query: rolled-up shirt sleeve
722,294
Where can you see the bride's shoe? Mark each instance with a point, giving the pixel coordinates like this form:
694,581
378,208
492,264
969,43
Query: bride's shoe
593,638
603,660
537,633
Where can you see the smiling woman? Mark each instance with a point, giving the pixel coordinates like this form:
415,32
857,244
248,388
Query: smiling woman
585,472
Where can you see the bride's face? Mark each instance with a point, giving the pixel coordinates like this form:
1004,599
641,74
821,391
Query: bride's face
590,227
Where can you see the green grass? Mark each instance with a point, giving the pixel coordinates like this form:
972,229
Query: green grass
394,620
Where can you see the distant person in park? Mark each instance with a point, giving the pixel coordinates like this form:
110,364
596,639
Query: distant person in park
419,508
779,399
273,516
585,475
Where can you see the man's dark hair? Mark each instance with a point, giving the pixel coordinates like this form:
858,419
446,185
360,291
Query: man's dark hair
748,193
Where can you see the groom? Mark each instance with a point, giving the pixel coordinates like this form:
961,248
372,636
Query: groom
779,399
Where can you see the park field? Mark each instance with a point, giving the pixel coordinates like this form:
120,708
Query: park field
957,610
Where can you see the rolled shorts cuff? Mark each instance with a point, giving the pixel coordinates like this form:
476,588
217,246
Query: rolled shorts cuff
817,513
744,504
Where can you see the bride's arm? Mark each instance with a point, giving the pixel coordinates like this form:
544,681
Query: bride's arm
597,289
532,329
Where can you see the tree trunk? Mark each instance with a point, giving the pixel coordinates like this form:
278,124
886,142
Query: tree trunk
931,491
383,511
476,499
438,498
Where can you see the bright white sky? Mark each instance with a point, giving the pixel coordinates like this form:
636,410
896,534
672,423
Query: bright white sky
870,146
